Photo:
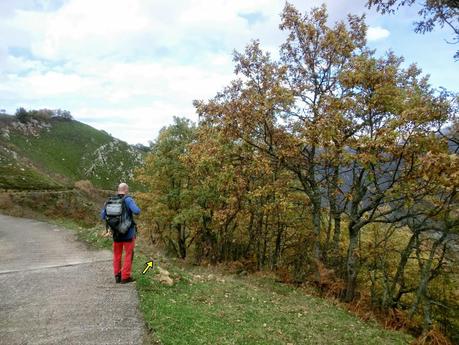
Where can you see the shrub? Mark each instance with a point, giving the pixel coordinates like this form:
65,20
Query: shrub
22,115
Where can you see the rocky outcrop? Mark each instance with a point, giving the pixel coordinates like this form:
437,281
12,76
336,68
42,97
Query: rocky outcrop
127,157
33,127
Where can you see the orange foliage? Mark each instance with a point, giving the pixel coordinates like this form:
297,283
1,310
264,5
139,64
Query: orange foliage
433,337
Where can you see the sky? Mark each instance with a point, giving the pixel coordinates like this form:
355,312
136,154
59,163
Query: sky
128,67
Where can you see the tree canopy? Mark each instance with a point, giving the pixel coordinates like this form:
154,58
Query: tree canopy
328,165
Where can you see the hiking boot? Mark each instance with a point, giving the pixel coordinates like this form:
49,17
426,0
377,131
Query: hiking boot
118,278
128,280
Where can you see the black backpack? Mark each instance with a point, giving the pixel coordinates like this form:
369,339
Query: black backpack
117,217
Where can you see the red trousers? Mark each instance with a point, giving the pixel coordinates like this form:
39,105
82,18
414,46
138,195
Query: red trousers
128,256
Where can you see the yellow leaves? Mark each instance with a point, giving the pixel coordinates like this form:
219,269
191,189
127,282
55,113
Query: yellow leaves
367,158
441,169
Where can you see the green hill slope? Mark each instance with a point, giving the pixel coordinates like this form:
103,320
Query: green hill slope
53,154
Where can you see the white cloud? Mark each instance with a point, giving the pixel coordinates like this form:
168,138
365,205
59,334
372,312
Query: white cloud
377,33
129,66
49,84
108,61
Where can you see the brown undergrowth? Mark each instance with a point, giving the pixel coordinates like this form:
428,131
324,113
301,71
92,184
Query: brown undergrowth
329,286
432,337
46,204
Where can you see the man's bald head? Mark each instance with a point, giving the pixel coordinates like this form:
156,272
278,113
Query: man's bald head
123,188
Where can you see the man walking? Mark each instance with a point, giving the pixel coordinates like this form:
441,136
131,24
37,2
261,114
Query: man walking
122,239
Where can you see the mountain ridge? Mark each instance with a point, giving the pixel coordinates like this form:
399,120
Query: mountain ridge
54,153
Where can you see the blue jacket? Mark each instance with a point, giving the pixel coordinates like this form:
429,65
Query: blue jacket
132,208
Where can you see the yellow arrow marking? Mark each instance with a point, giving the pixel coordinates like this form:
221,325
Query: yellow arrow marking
149,265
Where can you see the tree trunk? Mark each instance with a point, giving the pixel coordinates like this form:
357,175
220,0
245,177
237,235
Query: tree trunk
399,274
278,242
316,225
250,234
334,213
181,240
259,231
328,234
351,263
336,233
421,292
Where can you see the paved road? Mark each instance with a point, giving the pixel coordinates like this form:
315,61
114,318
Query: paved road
53,290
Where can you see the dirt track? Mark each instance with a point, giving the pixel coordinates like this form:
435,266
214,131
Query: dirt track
53,290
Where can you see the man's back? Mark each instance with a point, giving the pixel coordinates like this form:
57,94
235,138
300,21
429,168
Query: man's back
131,209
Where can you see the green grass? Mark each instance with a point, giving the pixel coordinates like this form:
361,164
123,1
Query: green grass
17,174
13,175
60,150
90,236
247,311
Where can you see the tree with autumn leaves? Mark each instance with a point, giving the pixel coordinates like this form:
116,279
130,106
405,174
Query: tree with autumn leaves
300,161
168,178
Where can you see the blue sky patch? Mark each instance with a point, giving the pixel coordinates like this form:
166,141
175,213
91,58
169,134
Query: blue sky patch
252,17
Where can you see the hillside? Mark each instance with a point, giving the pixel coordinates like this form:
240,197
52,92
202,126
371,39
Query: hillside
55,153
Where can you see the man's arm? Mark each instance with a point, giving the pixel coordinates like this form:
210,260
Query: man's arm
132,205
103,214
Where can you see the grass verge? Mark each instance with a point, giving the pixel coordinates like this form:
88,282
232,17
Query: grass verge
91,236
202,308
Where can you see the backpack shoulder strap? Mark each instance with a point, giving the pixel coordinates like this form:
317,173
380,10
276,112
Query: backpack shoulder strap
126,209
123,203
